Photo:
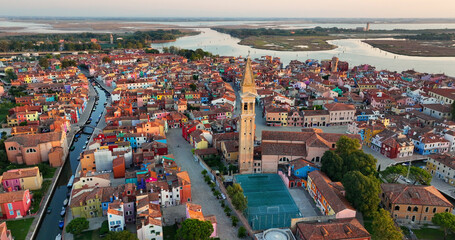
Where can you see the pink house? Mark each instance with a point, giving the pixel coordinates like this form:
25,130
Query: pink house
15,204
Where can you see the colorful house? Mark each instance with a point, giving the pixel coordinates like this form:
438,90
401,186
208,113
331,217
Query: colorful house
15,204
328,196
21,179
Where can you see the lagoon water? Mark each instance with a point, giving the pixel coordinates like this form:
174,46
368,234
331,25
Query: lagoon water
352,50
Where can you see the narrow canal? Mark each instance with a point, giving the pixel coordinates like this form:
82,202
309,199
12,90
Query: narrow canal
49,229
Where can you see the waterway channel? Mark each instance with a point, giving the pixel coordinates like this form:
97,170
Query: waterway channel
49,225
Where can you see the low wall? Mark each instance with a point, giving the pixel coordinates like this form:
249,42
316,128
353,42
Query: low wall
220,184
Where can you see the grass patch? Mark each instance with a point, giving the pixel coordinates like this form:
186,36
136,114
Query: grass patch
289,43
88,235
170,232
431,233
19,228
405,230
38,195
4,110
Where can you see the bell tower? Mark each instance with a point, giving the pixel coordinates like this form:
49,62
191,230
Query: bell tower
247,126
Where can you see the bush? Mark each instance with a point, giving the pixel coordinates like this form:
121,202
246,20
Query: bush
222,203
212,185
217,193
227,210
77,225
234,221
242,232
207,179
204,172
104,228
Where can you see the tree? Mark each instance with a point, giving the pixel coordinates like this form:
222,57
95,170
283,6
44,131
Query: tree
24,123
393,173
104,228
234,221
445,220
420,175
332,165
241,232
194,229
10,75
358,160
346,146
362,191
107,59
239,200
383,226
123,235
77,225
44,62
193,86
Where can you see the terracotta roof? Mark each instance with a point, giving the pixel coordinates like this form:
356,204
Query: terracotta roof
290,149
184,176
21,173
9,197
339,107
32,140
414,195
337,229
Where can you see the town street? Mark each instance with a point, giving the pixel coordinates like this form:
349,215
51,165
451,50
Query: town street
200,190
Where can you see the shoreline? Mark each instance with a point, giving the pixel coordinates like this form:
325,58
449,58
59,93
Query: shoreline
410,48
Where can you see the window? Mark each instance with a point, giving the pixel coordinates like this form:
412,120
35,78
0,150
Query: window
118,222
434,210
158,233
11,213
10,206
12,148
409,208
30,150
426,209
397,208
416,209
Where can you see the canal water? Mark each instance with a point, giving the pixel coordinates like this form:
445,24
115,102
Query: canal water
352,50
49,229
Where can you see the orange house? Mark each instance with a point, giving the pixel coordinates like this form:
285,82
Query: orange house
185,187
88,161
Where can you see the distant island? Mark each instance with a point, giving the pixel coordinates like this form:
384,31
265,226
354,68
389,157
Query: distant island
428,43
87,41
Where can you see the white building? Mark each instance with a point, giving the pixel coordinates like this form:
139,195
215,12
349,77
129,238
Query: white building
115,217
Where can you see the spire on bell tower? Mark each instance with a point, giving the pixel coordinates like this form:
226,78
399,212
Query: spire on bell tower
248,84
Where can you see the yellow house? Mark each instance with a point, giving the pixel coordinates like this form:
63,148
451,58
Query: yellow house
32,116
24,178
230,150
370,132
87,203
284,118
12,121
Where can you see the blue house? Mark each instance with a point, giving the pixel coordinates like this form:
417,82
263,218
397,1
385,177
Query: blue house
300,168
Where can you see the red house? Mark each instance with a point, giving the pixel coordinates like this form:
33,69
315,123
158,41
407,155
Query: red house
15,204
189,128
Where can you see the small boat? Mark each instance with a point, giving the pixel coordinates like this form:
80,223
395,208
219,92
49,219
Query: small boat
77,135
76,139
63,212
70,182
89,121
79,158
84,147
72,148
65,202
61,224
58,237
86,142
49,210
